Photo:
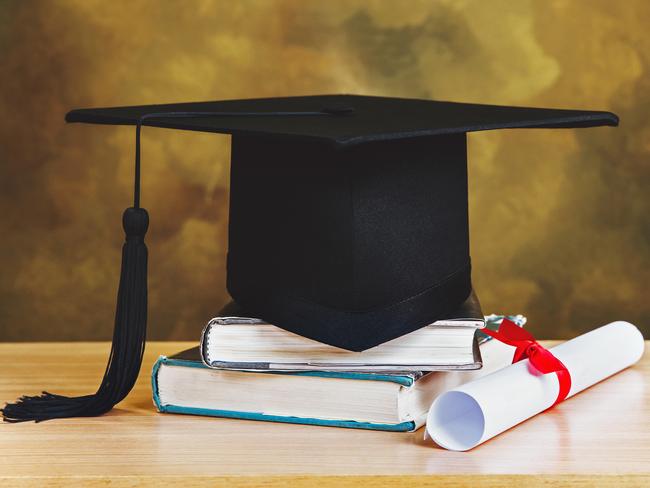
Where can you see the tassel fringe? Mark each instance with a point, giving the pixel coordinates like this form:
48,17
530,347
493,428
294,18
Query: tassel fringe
129,337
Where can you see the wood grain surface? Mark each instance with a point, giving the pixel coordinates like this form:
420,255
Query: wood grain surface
601,435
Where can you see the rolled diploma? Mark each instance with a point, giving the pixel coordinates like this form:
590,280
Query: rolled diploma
470,414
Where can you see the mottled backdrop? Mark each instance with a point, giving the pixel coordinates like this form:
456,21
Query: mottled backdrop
559,219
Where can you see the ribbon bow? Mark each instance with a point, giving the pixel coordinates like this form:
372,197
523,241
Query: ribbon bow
541,358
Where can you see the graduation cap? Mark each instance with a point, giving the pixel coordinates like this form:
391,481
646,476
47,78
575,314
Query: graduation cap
348,219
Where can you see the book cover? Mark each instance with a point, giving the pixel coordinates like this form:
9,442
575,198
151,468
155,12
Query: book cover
191,359
236,341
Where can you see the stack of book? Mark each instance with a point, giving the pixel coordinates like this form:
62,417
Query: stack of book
246,368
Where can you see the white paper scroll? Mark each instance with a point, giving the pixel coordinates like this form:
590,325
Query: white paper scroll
470,414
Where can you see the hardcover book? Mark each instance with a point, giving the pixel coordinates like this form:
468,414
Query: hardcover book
234,341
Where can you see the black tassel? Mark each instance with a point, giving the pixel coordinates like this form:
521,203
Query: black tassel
130,330
127,349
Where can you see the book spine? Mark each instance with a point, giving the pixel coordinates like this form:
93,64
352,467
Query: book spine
154,383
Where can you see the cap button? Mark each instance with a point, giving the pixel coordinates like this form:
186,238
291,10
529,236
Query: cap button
337,108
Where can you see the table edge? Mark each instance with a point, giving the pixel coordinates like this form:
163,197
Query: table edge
342,481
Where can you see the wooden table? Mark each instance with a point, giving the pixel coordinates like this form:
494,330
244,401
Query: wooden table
601,435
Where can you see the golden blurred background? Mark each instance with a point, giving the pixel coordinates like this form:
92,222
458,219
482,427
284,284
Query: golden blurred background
559,218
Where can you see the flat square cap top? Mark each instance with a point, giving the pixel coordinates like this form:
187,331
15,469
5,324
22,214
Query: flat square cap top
344,119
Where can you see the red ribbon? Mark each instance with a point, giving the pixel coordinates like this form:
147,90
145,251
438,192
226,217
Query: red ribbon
541,358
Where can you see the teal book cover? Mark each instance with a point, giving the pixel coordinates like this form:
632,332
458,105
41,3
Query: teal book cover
191,359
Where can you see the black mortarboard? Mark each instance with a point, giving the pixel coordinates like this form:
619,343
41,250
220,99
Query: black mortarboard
348,218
